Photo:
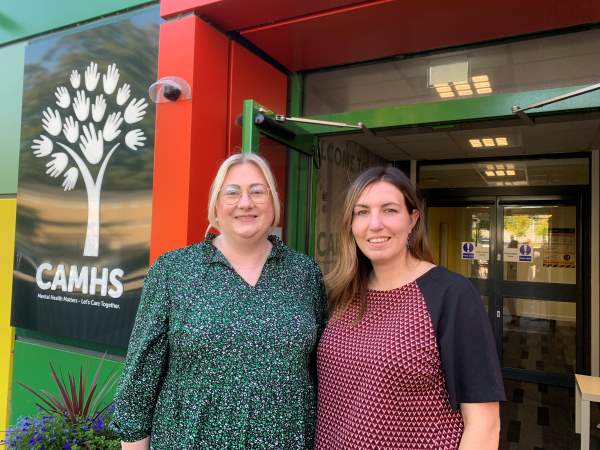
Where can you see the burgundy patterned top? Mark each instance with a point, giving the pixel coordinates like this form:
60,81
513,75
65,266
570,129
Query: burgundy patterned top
381,382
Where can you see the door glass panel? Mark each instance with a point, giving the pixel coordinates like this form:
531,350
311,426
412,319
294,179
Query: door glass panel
540,244
539,335
460,239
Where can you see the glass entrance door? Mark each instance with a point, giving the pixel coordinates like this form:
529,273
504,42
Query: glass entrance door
523,258
537,289
460,236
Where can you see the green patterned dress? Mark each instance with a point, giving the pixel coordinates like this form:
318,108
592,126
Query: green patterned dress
215,363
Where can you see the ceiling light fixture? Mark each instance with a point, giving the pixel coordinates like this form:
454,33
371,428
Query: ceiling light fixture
462,86
488,142
500,173
479,84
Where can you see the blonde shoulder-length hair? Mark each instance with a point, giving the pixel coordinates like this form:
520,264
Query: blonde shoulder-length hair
217,184
348,280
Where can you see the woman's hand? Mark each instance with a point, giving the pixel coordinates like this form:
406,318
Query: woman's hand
144,444
482,426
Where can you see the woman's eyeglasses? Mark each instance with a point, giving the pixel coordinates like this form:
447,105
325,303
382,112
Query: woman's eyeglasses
231,194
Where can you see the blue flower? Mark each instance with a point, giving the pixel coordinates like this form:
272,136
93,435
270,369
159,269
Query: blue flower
66,447
98,424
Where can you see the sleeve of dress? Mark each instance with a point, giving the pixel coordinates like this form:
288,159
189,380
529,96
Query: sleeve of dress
467,347
146,360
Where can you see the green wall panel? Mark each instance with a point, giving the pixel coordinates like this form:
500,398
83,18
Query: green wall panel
11,93
31,368
24,18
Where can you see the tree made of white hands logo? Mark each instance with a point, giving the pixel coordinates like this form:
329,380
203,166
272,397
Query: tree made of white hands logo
91,129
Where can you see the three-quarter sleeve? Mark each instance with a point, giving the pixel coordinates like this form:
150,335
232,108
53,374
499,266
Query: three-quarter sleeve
468,348
146,360
466,343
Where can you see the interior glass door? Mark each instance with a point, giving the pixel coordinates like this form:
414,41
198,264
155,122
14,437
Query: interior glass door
523,257
460,236
538,290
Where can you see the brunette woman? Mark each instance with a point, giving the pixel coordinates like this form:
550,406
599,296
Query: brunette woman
408,358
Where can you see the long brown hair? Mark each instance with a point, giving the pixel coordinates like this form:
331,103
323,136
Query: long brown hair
347,282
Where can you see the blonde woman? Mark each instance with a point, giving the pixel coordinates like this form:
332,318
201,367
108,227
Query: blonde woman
408,359
223,344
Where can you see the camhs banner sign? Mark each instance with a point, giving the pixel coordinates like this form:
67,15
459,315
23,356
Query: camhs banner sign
85,180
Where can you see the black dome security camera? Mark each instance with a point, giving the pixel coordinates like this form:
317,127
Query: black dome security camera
171,93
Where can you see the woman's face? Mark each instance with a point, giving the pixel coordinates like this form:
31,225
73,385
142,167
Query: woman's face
245,205
381,223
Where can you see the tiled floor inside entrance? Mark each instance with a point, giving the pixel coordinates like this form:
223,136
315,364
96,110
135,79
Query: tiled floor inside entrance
539,416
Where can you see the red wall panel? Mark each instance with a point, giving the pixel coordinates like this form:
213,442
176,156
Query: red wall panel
252,77
190,135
